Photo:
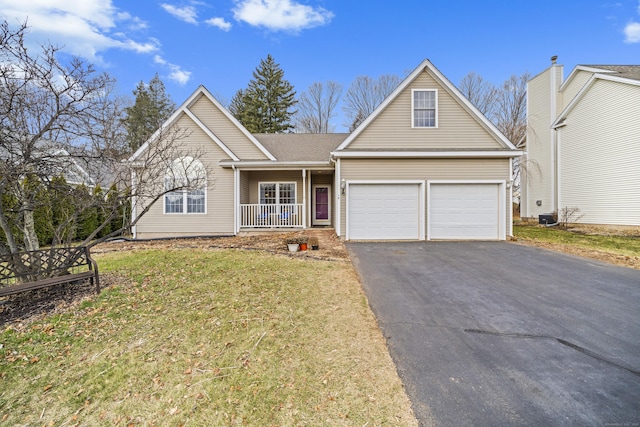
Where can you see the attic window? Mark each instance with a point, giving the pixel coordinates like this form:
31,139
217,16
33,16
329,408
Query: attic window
425,108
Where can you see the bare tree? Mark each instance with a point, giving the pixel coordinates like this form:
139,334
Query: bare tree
482,94
511,120
316,107
365,94
506,107
511,108
60,117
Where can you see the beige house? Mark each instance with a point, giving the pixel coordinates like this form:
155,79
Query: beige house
583,144
425,165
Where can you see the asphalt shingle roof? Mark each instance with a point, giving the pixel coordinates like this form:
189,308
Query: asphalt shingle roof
626,71
294,147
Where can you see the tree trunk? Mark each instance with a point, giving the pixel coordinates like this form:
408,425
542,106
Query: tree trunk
29,230
8,233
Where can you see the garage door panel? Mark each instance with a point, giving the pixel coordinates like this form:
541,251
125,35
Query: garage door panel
384,211
464,211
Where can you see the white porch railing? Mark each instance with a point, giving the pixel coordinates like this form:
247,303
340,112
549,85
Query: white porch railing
271,215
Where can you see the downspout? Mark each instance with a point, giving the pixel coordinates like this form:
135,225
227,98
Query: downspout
337,191
524,182
510,199
558,133
554,147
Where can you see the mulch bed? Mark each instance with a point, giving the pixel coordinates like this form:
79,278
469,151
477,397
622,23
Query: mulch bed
22,309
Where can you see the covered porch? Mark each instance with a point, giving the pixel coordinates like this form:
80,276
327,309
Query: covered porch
294,190
284,198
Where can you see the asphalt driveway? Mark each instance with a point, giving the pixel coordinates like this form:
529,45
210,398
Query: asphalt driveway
499,334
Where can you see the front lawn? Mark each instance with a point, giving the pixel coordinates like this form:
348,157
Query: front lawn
617,248
206,337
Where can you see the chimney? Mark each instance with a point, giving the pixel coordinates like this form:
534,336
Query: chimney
554,58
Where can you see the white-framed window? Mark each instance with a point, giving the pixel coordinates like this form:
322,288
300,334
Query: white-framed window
282,193
189,173
424,104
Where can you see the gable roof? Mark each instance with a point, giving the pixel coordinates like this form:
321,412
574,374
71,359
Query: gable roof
457,95
627,74
184,110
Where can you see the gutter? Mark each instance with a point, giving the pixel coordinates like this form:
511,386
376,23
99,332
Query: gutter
426,154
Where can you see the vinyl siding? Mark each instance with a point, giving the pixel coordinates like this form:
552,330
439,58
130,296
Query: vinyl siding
219,217
225,130
577,82
245,198
540,165
600,155
457,128
423,170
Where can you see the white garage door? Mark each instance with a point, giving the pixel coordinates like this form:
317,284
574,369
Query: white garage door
384,212
464,211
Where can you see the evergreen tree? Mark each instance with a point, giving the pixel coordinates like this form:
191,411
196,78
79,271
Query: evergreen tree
237,107
151,108
265,106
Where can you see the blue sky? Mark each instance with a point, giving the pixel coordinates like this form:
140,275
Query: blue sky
219,43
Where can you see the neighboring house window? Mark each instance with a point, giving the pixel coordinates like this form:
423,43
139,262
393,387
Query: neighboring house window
425,108
185,172
283,193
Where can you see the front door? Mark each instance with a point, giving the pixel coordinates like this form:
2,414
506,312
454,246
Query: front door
321,203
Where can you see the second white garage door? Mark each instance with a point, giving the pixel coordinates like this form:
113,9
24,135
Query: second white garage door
464,211
384,212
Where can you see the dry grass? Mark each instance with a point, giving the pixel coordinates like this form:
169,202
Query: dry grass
206,337
620,247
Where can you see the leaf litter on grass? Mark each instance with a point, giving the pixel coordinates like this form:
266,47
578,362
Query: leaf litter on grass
207,337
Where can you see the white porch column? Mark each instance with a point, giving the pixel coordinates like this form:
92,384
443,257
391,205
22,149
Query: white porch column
304,198
236,200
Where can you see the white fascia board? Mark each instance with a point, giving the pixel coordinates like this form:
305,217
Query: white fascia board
576,99
454,90
425,154
579,68
238,124
426,64
210,134
168,123
393,95
266,164
201,91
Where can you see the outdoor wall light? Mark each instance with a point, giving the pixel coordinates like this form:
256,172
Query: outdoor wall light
343,186
538,202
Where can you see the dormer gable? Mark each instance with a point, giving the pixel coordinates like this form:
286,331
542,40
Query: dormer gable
426,112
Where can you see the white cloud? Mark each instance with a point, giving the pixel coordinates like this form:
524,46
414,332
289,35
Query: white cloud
219,22
187,14
287,15
632,32
176,73
82,27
